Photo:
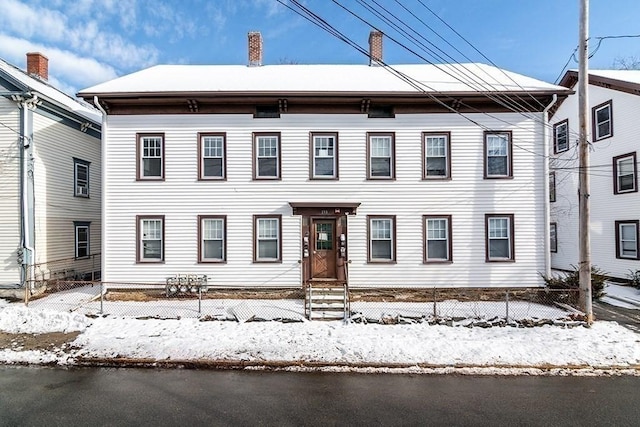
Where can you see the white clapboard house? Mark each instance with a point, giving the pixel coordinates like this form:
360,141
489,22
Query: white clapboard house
287,175
614,105
49,178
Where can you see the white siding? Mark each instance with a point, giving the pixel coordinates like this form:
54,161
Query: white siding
606,207
467,197
56,207
9,192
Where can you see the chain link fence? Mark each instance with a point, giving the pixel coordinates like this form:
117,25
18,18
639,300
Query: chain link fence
454,307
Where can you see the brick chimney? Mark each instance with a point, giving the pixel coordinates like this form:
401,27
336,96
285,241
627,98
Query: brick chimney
255,48
375,47
38,65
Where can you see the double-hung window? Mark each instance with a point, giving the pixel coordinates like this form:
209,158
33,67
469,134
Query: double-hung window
81,177
625,174
382,238
267,238
437,156
212,156
561,136
212,231
266,156
499,237
151,157
150,231
553,237
437,238
381,156
627,239
602,119
324,155
498,151
552,186
81,238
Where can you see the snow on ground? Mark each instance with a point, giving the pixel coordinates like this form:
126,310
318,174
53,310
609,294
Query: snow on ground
622,296
505,350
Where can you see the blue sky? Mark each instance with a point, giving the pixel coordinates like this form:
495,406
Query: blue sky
91,41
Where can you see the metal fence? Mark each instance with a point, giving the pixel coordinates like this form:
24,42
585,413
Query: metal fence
455,307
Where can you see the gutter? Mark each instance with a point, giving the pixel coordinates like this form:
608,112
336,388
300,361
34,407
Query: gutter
103,180
547,204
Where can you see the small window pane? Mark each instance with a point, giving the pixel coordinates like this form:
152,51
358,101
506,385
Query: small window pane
499,248
213,249
381,249
268,249
437,249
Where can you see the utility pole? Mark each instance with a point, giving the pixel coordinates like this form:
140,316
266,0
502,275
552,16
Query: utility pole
583,192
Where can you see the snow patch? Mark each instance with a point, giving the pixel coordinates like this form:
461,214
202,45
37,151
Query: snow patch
16,319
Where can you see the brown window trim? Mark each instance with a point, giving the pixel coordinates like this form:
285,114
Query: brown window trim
553,248
255,239
552,186
312,154
511,239
425,258
594,130
447,176
555,136
509,154
623,222
201,177
139,137
201,260
393,237
254,153
393,157
139,259
616,189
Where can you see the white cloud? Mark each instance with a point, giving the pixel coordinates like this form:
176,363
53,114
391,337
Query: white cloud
26,21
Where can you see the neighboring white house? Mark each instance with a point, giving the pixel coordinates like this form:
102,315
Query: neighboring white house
614,102
277,175
50,183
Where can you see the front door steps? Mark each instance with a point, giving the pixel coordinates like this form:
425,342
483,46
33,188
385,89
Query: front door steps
326,299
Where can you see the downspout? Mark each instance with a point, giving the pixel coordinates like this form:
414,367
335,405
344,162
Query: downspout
547,204
103,180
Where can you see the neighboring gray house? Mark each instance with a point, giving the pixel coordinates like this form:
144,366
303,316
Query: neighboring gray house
614,102
50,187
284,175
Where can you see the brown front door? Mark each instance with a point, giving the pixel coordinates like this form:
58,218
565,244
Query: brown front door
323,258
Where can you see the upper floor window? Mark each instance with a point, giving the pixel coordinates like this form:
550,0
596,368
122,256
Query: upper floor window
437,238
267,231
81,177
602,121
212,231
381,156
552,186
561,136
627,239
212,147
150,236
499,231
324,153
266,156
437,156
150,156
625,174
382,238
498,152
553,237
81,239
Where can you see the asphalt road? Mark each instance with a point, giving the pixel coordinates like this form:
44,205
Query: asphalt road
134,397
628,318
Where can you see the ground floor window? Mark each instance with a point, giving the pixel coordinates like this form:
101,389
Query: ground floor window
382,238
553,237
212,231
499,239
437,238
627,239
267,238
81,239
150,231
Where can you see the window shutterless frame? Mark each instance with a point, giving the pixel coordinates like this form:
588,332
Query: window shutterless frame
381,154
553,237
625,174
80,178
436,155
212,239
266,156
498,155
628,239
267,238
323,155
150,156
150,239
499,238
602,121
82,239
381,239
437,243
552,186
212,156
561,136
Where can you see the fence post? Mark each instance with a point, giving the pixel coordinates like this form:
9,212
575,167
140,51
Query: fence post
101,298
435,307
507,305
93,267
200,300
